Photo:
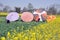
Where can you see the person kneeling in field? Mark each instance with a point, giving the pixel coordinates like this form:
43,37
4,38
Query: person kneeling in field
40,16
12,16
51,18
36,15
44,15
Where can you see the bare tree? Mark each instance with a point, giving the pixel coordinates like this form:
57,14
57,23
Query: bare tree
25,9
30,7
18,9
6,9
52,10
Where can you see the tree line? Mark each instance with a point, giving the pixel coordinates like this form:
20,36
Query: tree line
52,9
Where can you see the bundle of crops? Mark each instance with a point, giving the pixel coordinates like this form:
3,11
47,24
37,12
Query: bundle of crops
51,18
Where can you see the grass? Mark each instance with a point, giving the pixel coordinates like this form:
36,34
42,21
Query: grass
4,27
30,31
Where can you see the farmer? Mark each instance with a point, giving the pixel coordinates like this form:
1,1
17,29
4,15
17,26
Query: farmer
12,16
44,15
37,15
41,15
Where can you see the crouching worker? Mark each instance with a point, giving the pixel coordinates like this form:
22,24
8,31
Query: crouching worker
37,15
51,18
44,16
12,16
40,15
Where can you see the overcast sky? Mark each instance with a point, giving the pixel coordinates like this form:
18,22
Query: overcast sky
24,3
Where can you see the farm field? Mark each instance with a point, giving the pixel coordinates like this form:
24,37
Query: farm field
30,31
6,13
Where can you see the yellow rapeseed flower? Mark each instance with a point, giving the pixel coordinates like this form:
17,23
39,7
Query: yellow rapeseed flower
26,38
3,38
8,35
15,38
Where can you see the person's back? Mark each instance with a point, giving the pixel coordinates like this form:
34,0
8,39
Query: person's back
44,15
37,12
